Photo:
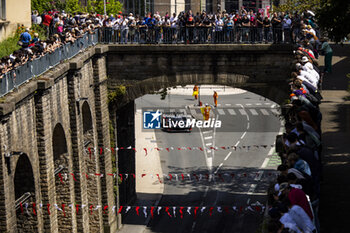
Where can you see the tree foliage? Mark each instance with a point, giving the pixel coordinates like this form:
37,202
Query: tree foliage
74,6
297,5
112,6
334,18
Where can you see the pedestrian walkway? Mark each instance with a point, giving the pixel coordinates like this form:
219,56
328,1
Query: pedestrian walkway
335,188
148,191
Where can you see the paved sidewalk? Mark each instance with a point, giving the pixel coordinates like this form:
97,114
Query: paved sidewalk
148,188
335,188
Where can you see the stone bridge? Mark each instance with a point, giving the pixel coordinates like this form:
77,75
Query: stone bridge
49,125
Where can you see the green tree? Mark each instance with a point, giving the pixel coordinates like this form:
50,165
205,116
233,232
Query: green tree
297,5
112,6
40,5
334,18
90,7
73,6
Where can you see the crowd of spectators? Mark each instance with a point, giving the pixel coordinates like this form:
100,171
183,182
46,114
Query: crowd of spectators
223,27
294,198
59,32
186,27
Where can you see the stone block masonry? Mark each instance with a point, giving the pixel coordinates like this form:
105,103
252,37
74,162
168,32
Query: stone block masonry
46,127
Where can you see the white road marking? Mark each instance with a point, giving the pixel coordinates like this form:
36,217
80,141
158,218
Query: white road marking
242,111
228,104
275,111
258,104
221,111
266,161
237,143
248,125
253,111
221,164
243,135
207,131
193,112
271,151
231,111
251,189
228,155
272,106
210,162
209,144
209,137
248,104
267,103
264,112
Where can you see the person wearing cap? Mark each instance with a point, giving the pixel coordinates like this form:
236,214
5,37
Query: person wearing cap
25,38
328,53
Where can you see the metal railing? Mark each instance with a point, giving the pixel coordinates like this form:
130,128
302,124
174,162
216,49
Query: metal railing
195,35
22,199
141,35
16,77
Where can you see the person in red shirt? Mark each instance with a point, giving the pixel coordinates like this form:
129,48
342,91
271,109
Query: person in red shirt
47,22
296,197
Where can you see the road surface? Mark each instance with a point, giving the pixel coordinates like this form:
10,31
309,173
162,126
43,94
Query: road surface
225,177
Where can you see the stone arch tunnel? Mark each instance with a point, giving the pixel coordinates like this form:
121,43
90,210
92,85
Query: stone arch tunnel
49,124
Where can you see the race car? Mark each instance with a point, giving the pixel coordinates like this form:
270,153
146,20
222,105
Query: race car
176,122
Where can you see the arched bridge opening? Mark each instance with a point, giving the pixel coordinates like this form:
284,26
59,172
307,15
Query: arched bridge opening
25,195
134,71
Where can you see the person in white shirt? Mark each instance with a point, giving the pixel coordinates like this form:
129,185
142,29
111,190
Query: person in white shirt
301,218
306,76
124,29
295,218
308,68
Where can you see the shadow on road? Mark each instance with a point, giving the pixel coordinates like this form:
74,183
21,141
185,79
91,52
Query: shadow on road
335,188
227,189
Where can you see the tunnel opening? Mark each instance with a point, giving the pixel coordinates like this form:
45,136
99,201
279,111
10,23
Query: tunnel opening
91,163
25,195
126,158
61,163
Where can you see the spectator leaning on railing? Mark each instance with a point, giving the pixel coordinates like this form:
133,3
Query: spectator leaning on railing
295,196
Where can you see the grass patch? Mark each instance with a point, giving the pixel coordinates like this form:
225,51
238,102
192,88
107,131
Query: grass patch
9,45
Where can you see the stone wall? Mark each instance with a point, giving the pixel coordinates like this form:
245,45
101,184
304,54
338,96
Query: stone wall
30,118
257,68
